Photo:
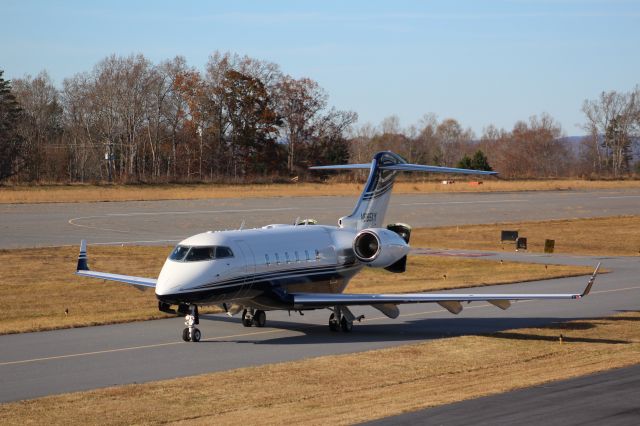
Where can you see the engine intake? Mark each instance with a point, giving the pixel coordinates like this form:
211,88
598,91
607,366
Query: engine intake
379,247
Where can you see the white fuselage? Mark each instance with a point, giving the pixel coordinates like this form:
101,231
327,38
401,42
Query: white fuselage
259,266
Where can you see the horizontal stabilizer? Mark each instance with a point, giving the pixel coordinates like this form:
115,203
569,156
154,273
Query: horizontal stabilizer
366,166
433,169
404,167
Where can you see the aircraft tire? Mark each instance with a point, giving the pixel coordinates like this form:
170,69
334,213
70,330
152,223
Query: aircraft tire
246,321
260,318
334,325
195,337
345,325
185,335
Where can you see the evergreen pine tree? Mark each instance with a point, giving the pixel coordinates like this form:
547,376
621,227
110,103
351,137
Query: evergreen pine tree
10,139
465,163
480,162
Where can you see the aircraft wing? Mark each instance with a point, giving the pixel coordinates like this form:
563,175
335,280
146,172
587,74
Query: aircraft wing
450,301
84,271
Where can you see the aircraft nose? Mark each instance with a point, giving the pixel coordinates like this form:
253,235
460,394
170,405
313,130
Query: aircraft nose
163,287
168,281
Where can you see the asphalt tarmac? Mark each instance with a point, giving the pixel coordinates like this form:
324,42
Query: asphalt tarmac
166,222
608,398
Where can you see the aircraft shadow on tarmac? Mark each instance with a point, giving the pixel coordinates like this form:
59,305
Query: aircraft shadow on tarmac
423,329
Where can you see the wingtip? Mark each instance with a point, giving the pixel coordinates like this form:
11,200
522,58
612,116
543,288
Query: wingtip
587,289
83,264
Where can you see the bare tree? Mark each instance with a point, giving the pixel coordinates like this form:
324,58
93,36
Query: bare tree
41,126
299,103
611,122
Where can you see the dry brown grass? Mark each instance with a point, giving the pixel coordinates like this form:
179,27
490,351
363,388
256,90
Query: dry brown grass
345,389
38,285
614,236
89,193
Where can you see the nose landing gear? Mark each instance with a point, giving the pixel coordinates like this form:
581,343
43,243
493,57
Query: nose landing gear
191,333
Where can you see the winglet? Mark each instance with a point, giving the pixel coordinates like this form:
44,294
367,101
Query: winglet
83,264
587,290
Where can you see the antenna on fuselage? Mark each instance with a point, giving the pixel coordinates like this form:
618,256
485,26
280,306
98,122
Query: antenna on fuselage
241,226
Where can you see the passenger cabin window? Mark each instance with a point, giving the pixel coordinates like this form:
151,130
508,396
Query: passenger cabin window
197,254
277,259
286,255
317,255
306,252
297,257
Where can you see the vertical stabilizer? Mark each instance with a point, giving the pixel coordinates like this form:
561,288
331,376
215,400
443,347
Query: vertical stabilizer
374,200
373,203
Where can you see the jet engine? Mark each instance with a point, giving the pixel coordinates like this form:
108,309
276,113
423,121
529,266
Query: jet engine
379,247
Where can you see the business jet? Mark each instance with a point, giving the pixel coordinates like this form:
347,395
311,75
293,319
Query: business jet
302,266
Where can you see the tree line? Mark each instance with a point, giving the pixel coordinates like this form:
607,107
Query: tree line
535,148
129,120
243,119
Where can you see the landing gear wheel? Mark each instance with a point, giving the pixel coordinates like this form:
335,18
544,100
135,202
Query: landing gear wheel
345,325
247,321
260,318
191,334
334,325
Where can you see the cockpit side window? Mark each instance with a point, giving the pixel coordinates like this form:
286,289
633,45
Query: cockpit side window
222,252
200,253
179,253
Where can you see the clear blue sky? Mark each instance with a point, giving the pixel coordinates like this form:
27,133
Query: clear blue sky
480,62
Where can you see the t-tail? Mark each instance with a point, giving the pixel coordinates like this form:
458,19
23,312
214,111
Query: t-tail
374,200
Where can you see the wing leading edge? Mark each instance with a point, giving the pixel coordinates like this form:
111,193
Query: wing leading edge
450,301
83,270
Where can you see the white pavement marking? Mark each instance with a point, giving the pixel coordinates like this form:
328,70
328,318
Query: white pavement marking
444,203
111,243
26,361
619,197
73,221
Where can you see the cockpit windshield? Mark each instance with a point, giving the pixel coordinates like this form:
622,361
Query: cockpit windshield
196,254
179,253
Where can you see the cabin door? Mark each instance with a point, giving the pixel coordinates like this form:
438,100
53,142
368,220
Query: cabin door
249,268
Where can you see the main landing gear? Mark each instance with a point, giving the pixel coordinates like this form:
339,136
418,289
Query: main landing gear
254,317
342,319
191,319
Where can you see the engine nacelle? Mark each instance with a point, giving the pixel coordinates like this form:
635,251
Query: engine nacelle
379,247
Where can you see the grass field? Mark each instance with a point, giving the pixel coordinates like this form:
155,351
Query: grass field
614,236
345,389
40,285
88,193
